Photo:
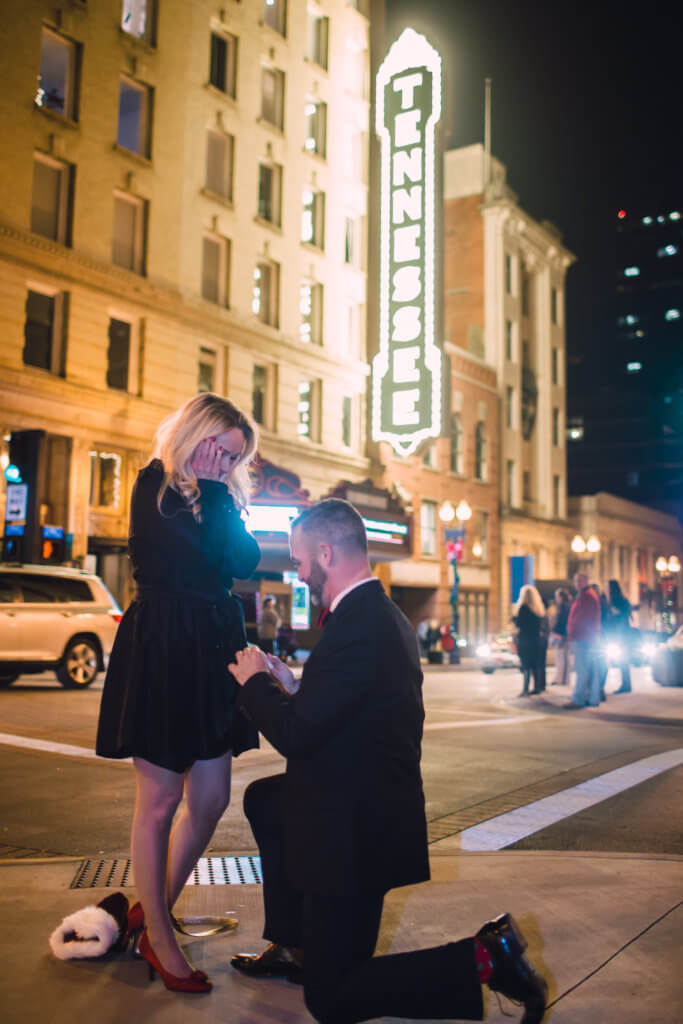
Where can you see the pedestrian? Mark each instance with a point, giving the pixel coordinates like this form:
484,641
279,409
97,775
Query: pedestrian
619,630
168,700
583,632
346,822
601,656
529,618
268,625
558,636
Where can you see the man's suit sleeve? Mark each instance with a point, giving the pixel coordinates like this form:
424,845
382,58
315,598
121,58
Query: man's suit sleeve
330,693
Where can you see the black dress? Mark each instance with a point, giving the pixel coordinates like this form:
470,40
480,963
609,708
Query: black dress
168,696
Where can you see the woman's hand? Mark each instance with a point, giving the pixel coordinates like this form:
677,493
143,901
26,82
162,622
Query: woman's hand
206,460
248,663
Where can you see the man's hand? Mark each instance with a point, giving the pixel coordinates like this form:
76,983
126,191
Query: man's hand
248,663
283,676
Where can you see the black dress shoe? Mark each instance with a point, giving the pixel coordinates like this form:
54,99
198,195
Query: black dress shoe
274,962
513,975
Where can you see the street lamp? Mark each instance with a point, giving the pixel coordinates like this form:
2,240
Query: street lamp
455,543
667,569
578,545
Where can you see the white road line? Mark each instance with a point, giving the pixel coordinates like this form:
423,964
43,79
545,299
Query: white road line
510,720
505,829
67,749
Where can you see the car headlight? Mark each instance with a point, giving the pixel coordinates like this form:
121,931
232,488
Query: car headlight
649,650
613,650
483,651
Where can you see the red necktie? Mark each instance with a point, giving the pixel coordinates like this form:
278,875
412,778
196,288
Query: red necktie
323,617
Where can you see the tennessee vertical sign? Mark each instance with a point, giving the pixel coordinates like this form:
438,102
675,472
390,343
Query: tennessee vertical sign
406,372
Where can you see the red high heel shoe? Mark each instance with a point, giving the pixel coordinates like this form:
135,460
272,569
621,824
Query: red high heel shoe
193,983
136,923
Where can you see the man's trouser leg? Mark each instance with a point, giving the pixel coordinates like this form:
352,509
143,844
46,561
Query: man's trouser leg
582,665
264,808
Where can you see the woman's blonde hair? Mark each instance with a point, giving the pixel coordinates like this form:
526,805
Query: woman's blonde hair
205,415
529,595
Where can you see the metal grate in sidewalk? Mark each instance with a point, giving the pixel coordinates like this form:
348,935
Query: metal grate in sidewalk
117,873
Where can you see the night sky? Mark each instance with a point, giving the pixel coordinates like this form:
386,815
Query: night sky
585,115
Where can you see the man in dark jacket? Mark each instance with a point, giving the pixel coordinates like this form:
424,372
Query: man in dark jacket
346,823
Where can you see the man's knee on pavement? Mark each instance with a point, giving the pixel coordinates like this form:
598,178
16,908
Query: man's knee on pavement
263,797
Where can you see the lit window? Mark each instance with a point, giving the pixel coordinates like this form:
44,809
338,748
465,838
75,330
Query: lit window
272,96
223,63
309,391
137,19
428,527
674,215
639,334
215,269
634,367
128,239
631,319
50,200
105,479
318,30
313,217
57,78
667,250
661,219
647,220
275,14
672,314
316,127
310,307
270,192
220,150
265,300
135,103
631,271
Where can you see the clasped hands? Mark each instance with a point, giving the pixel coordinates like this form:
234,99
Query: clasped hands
252,660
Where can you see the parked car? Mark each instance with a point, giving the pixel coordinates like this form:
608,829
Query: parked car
499,652
52,617
641,647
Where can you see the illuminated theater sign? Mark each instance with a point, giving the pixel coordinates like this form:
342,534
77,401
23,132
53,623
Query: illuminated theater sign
406,372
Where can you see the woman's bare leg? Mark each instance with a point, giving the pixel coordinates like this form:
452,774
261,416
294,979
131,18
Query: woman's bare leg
207,794
158,793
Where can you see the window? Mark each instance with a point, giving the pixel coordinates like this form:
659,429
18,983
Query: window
527,485
510,483
351,326
457,455
313,217
631,271
220,153
308,409
634,367
672,314
128,240
480,534
553,305
105,479
556,497
270,193
206,369
508,339
525,291
258,393
525,353
45,331
356,72
480,452
429,457
311,309
273,96
215,269
223,63
667,250
51,199
316,127
57,78
138,19
318,32
556,427
351,241
266,294
275,15
509,406
118,354
555,367
508,273
135,104
347,415
428,527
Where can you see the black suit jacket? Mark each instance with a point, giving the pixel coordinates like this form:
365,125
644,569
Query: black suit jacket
352,738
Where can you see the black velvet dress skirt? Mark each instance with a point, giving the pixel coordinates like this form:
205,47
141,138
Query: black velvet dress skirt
168,696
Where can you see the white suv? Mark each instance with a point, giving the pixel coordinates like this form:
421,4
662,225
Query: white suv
54,617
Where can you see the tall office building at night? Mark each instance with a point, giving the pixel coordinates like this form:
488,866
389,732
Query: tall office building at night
626,396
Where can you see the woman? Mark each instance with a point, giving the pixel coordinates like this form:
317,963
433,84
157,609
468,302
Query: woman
558,636
529,618
618,628
268,626
168,699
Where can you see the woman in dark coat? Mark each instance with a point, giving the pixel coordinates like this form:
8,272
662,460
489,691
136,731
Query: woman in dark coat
531,637
618,628
168,698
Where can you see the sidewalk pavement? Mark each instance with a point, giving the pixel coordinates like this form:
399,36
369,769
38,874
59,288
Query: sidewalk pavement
605,930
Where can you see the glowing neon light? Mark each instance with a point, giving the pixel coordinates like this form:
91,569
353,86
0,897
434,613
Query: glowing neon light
406,372
271,518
